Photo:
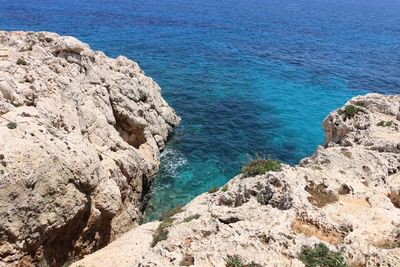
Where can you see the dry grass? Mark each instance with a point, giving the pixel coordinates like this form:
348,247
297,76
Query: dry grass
309,229
320,196
387,244
395,198
187,260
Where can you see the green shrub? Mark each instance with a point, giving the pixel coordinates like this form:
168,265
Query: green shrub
213,189
166,219
161,232
11,125
349,111
260,199
225,188
159,235
234,261
321,256
166,223
261,166
192,217
385,123
21,61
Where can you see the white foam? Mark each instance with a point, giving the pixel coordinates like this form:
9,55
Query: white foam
171,160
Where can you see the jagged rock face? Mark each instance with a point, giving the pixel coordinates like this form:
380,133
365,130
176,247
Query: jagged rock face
345,195
80,139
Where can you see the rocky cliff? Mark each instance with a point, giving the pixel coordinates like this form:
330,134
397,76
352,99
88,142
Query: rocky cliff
346,196
80,140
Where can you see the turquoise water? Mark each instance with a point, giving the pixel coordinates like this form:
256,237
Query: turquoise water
245,76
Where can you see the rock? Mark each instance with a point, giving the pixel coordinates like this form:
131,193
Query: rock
345,195
81,150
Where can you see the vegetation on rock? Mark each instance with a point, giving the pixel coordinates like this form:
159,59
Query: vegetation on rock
166,219
387,244
21,61
385,123
11,125
320,196
261,166
159,235
192,217
213,189
321,256
169,213
349,111
234,261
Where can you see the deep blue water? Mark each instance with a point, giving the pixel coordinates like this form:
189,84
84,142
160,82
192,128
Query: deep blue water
245,76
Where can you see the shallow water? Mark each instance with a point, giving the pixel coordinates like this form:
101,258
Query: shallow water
245,76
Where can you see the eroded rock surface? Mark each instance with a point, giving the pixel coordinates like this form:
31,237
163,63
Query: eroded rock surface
345,195
80,139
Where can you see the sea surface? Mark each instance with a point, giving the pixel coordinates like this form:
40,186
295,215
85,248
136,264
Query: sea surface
245,76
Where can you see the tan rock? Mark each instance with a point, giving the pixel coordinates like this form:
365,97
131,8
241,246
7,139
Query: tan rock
81,150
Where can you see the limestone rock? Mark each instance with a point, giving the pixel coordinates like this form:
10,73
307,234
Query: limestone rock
345,195
80,140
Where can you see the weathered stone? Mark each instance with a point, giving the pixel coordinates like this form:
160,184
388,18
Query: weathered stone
86,143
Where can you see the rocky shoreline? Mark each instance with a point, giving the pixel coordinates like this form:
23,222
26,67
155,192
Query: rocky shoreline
345,196
80,140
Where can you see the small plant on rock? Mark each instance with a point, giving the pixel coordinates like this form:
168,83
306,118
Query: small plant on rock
166,219
321,256
192,217
213,189
260,199
225,188
11,125
385,123
21,61
234,261
260,166
387,244
169,213
349,111
159,235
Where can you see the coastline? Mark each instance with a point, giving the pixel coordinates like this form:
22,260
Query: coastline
346,196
